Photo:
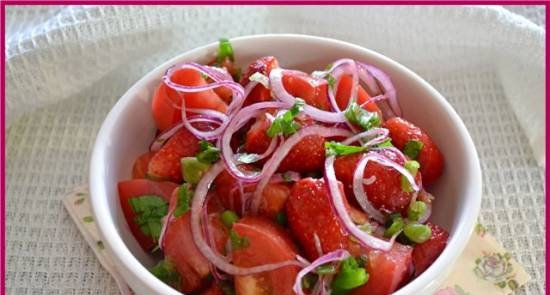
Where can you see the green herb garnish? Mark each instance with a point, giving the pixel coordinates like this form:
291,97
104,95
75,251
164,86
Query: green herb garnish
351,276
418,233
416,210
281,219
166,271
192,169
325,269
238,242
184,200
394,225
412,166
208,153
357,115
225,50
334,148
149,210
412,148
285,123
331,80
229,217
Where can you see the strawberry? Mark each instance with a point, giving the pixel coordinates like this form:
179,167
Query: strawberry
426,253
386,192
430,158
387,270
343,95
213,290
274,195
310,213
165,164
262,65
306,156
139,170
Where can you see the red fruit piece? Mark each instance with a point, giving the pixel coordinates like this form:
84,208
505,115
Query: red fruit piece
387,270
310,213
229,194
264,66
386,192
430,158
139,170
343,95
426,253
213,290
166,101
266,243
312,91
139,187
165,164
180,248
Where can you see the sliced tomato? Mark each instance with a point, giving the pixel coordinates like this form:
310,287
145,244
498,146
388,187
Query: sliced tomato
138,187
180,248
387,270
139,170
311,90
267,243
343,95
167,101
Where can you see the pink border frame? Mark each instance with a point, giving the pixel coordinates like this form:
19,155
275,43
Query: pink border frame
3,5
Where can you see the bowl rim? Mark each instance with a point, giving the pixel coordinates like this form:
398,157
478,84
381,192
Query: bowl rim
125,259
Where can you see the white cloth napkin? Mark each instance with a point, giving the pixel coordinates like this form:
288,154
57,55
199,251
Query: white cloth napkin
56,52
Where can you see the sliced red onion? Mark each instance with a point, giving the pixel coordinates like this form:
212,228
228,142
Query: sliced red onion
339,68
289,176
164,136
361,195
318,246
260,78
197,206
333,256
209,113
279,91
338,203
273,163
204,120
386,85
165,221
375,135
252,158
427,198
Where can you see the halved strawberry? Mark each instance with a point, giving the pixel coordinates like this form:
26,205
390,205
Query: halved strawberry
165,164
430,158
213,290
387,270
386,192
264,66
265,243
314,92
139,170
426,253
310,213
343,95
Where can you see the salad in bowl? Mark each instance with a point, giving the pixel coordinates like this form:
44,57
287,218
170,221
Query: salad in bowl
271,180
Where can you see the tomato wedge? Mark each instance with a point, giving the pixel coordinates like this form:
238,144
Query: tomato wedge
267,243
138,187
167,101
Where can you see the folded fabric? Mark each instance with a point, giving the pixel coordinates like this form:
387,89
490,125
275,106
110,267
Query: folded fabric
484,268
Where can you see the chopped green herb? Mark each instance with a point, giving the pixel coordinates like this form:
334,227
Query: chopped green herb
88,219
366,227
208,153
285,123
413,148
149,210
246,158
225,50
357,115
394,225
308,281
418,233
351,276
192,169
166,271
238,242
185,195
229,217
416,210
385,143
329,66
281,219
334,148
412,166
325,269
331,80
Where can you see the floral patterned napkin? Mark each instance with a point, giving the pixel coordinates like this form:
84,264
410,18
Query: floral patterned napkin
485,268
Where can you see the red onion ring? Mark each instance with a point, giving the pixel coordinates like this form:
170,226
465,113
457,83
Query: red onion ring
333,256
197,205
338,204
271,166
387,86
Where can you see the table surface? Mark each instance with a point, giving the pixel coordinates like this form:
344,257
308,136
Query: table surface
48,152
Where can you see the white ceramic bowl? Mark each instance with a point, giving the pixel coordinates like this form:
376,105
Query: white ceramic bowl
129,128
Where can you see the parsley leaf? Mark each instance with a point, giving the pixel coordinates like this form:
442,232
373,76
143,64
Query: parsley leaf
357,115
225,50
412,166
238,242
334,148
413,148
351,276
208,153
184,200
165,271
192,169
331,80
149,210
285,123
385,143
